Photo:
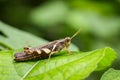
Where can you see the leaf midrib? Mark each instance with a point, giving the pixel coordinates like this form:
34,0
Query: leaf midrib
25,75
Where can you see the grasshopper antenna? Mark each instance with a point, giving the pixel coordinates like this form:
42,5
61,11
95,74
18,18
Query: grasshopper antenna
76,33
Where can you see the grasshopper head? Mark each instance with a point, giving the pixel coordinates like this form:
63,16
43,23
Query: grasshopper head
67,41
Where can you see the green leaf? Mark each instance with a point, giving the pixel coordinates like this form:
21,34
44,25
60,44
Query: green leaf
60,67
108,55
12,38
111,74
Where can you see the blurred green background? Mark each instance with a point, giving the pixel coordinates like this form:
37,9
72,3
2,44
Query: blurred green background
55,19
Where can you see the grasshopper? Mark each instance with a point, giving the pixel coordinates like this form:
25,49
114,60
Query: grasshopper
44,51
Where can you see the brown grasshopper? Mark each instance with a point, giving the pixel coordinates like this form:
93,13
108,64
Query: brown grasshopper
44,51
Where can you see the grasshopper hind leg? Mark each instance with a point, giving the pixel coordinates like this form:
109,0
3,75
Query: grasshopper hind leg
52,52
49,57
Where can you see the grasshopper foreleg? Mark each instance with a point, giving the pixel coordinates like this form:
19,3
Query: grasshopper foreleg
66,49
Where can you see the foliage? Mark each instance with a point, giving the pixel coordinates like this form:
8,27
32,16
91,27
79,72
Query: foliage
111,74
63,67
38,22
12,38
77,66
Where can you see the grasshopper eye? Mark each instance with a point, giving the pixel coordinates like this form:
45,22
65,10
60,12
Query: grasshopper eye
67,39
